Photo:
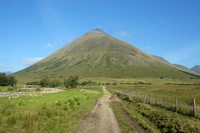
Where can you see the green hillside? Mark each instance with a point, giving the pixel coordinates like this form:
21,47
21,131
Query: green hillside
97,54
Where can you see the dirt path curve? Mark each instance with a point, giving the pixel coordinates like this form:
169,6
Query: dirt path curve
101,119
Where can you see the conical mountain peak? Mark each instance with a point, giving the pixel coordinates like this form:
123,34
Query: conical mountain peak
97,54
97,31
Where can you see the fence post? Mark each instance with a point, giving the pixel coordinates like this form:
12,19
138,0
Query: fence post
156,100
164,102
149,99
194,107
176,104
144,98
134,94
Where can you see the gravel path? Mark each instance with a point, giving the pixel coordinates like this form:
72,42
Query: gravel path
101,119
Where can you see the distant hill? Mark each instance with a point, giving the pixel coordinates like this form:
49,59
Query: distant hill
196,69
178,66
181,67
97,54
7,72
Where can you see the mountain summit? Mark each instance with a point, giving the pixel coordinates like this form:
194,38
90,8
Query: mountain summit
97,54
97,31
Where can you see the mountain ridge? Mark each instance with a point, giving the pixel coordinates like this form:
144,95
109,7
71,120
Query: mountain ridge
196,69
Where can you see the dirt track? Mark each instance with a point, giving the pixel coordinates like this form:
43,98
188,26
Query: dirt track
101,119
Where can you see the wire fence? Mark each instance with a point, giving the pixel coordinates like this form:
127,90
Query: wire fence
176,104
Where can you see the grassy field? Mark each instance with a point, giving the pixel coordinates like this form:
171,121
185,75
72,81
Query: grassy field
164,92
152,119
156,117
63,111
56,112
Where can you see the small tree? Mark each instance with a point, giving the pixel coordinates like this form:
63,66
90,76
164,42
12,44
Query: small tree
45,82
54,83
3,79
71,82
12,80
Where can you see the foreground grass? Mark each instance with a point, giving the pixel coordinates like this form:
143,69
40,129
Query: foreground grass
160,115
57,112
163,92
135,120
153,119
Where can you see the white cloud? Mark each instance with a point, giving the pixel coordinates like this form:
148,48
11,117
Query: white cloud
123,34
48,46
30,61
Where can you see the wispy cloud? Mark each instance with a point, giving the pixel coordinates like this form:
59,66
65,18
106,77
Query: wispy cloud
147,47
3,66
186,54
30,61
48,46
123,34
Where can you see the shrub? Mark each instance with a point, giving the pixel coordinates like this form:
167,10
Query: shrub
71,82
7,80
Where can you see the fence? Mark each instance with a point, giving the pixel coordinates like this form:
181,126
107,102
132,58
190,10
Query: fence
175,104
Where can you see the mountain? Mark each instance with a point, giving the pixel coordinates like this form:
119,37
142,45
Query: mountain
97,54
183,68
7,72
178,66
161,59
196,69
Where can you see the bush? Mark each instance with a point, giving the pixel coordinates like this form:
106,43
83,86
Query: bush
47,82
71,82
7,80
89,82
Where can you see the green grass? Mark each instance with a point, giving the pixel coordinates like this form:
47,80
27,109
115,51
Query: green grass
164,91
162,117
168,121
153,119
56,112
125,125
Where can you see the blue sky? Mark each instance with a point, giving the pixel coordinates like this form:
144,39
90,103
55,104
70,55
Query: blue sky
30,30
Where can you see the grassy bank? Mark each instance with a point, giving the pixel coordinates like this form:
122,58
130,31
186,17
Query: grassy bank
176,95
134,115
160,115
56,112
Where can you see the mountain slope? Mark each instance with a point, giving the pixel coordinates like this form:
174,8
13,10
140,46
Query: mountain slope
178,66
183,68
196,69
97,54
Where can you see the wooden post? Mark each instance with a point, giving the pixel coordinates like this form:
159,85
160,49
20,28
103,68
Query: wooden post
194,107
156,100
149,99
164,102
144,98
176,104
